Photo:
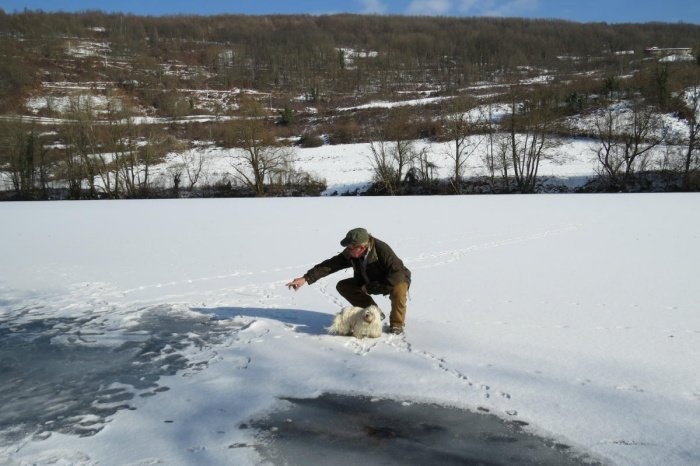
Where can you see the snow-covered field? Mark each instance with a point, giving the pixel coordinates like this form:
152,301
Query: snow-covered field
144,332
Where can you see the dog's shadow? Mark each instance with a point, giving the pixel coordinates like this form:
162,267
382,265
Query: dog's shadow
310,322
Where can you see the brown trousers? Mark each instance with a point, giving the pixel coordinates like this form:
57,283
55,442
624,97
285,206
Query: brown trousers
350,290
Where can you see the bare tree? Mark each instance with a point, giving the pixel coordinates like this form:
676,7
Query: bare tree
391,153
626,138
134,150
427,168
132,154
175,172
690,113
389,159
70,166
123,142
87,154
22,157
194,163
190,165
119,139
460,128
496,154
157,146
529,131
258,153
498,160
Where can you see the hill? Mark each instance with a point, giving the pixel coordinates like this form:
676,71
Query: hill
74,86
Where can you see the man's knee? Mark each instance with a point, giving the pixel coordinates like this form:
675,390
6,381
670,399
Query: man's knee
350,290
347,285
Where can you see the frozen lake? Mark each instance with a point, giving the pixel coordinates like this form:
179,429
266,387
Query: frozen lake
166,326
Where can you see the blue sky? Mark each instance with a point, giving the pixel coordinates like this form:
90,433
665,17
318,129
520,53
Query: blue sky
611,11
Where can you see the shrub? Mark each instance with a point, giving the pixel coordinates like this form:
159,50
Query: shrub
310,140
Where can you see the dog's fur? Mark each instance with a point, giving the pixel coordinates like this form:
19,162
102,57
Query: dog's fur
358,321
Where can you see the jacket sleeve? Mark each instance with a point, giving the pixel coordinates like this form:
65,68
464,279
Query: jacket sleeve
327,267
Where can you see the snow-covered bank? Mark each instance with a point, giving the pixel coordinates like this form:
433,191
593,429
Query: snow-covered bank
349,167
576,314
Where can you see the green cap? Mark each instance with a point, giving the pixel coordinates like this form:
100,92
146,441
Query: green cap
355,236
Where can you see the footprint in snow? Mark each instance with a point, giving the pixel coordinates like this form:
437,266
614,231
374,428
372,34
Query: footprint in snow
362,347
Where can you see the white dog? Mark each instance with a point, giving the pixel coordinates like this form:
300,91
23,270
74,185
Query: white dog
359,322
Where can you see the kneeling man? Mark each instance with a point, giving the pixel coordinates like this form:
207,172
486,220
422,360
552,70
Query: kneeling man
377,270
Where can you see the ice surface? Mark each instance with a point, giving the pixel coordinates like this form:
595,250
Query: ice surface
67,375
165,325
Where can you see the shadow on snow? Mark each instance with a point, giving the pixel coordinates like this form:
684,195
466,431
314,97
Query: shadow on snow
303,321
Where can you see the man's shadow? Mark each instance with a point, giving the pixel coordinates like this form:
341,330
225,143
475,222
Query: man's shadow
311,322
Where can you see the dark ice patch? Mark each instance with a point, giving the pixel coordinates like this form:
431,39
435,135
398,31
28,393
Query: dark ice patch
351,430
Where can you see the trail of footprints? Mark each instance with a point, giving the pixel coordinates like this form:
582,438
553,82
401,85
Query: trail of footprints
363,347
400,343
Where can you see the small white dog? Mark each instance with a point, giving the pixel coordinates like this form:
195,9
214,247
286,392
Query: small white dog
359,322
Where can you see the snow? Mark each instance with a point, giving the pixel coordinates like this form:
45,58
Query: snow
574,313
350,54
390,104
86,48
64,104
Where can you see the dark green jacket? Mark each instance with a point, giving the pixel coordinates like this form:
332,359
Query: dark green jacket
383,270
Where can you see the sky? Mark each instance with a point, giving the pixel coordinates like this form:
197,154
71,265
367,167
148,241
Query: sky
610,11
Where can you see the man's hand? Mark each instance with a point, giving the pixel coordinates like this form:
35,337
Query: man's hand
296,283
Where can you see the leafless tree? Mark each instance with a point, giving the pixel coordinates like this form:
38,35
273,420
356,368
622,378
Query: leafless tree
496,154
627,135
390,160
258,154
194,163
427,167
189,164
392,154
529,138
133,150
22,157
460,125
175,171
157,146
87,156
123,142
690,114
498,160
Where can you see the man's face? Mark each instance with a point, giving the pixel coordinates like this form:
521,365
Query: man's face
357,250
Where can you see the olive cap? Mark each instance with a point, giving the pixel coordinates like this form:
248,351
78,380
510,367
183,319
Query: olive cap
355,236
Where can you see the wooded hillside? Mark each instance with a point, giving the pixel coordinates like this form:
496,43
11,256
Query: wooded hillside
316,55
241,81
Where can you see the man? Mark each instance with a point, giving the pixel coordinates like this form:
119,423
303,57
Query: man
377,270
